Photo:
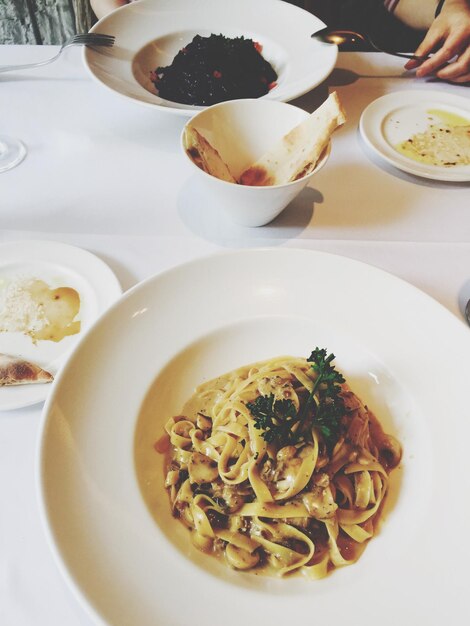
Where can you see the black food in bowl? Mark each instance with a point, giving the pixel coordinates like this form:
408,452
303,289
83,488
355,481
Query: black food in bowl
214,69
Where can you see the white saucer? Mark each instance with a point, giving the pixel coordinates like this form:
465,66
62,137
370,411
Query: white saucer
393,118
59,265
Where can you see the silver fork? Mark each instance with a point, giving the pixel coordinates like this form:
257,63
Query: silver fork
86,39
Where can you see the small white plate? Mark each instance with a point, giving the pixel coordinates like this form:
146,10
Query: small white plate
59,265
393,118
403,353
150,33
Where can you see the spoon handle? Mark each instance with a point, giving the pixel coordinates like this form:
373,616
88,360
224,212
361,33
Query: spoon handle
353,38
403,55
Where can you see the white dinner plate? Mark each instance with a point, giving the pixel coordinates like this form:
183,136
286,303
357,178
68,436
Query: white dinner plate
393,118
150,33
402,352
58,265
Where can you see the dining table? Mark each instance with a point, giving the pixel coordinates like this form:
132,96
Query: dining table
108,175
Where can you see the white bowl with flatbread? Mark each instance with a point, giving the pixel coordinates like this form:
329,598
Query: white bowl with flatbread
255,156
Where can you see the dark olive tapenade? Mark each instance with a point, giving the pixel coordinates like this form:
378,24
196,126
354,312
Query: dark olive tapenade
214,69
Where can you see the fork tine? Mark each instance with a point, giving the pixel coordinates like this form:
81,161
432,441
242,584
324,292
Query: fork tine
100,36
93,34
105,42
94,38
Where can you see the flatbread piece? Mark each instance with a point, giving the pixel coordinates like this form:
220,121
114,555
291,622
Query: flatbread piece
205,156
298,152
17,371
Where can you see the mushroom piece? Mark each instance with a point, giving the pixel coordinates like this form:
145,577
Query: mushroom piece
203,422
319,503
202,469
239,558
286,453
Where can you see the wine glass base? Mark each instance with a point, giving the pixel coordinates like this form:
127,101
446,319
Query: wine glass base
12,152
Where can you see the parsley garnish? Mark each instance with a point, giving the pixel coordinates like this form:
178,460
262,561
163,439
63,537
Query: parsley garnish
283,425
275,418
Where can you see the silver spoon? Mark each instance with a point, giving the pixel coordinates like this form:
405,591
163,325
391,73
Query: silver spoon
340,37
467,312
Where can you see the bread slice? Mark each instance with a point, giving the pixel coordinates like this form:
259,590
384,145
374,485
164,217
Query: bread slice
17,371
298,152
205,156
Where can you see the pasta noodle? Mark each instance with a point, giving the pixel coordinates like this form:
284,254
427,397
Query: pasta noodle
300,495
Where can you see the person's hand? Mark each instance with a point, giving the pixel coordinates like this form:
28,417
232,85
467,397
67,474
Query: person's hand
103,7
449,37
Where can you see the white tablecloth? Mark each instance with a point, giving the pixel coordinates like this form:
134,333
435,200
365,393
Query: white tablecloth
107,175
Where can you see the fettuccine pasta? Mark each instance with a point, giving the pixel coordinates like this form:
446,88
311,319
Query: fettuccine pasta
283,491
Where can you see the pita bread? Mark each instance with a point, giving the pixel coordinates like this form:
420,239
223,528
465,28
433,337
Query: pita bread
298,152
205,156
17,371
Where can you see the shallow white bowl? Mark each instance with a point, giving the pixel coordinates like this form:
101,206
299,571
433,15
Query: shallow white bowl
242,131
131,568
149,33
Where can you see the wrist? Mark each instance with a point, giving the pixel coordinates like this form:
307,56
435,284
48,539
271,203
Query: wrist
418,14
452,5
